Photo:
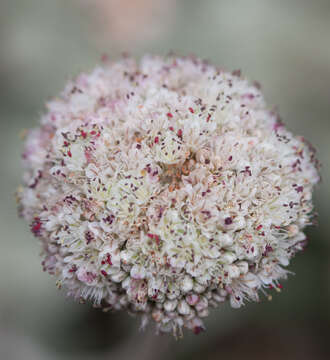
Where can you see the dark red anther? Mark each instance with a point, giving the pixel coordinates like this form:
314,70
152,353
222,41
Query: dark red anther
109,259
104,273
69,153
156,140
191,110
236,73
278,125
157,239
89,237
171,128
179,133
73,268
198,329
169,115
36,227
268,249
228,220
83,134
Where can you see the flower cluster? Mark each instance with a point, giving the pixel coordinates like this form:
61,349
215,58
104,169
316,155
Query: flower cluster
166,187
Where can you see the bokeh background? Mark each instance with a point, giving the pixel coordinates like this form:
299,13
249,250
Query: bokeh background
283,44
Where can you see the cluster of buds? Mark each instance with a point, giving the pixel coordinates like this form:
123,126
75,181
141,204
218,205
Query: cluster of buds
166,187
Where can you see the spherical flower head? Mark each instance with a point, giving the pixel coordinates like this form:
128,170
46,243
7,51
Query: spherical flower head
166,187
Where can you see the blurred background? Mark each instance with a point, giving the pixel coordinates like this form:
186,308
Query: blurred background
285,45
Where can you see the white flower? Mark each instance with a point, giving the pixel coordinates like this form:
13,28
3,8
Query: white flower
166,187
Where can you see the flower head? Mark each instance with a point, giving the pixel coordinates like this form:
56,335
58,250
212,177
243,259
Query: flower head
166,187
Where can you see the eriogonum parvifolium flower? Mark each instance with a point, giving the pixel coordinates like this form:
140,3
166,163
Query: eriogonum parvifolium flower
166,187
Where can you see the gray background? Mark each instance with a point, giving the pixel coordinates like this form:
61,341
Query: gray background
283,44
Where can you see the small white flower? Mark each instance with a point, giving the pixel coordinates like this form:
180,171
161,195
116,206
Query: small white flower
183,308
187,284
170,305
